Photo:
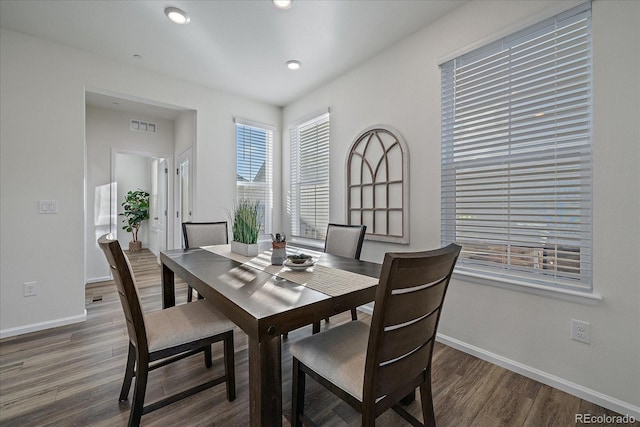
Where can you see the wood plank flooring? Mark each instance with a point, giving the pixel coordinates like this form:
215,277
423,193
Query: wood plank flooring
71,376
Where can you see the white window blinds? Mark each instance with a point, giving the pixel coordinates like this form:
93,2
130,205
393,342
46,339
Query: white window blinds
254,168
310,178
516,155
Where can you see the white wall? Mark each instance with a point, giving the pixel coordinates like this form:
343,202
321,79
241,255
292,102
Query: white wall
185,131
529,333
42,137
108,130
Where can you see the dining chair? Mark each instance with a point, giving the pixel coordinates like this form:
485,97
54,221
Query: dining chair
373,368
198,234
346,241
165,336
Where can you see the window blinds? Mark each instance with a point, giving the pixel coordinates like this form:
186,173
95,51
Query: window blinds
254,168
516,155
310,178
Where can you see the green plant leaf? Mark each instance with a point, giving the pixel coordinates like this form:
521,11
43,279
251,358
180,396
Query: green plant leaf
245,220
136,210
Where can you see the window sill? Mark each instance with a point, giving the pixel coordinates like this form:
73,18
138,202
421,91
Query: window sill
530,288
314,244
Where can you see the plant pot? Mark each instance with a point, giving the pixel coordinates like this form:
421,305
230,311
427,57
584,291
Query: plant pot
278,253
244,248
135,246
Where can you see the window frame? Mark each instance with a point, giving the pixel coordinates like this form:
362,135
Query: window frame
267,201
505,273
318,180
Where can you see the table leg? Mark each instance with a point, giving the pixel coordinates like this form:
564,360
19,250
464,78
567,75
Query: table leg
168,287
265,382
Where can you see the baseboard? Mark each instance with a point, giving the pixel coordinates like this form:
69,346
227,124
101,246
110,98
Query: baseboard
585,393
368,309
34,327
98,279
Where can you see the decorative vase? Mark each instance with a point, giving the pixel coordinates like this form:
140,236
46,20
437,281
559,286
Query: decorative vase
135,246
278,252
244,248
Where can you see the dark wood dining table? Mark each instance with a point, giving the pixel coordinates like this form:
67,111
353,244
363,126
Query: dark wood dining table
264,307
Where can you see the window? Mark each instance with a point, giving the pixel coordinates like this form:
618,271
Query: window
310,178
516,155
253,167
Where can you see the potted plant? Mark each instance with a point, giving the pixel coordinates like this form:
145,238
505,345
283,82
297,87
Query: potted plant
136,210
245,225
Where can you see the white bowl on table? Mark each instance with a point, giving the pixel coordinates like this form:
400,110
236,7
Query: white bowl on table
299,266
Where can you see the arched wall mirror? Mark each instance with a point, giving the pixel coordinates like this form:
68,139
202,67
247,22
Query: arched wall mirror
378,185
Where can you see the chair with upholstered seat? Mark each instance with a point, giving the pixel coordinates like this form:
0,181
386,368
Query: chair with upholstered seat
374,367
165,336
346,241
198,234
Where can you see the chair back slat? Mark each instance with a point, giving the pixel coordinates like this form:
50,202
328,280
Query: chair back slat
399,372
405,307
345,240
204,234
405,319
417,272
125,284
402,340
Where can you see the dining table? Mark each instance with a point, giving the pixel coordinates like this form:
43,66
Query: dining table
267,301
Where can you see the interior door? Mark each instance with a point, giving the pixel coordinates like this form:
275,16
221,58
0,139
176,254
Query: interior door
162,179
183,212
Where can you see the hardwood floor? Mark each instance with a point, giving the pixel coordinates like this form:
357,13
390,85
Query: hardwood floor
72,375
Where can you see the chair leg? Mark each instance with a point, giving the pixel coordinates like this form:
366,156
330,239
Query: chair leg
316,327
426,398
139,391
207,356
408,399
128,373
368,416
354,314
229,366
297,394
189,294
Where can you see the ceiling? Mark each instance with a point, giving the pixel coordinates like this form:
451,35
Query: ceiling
236,46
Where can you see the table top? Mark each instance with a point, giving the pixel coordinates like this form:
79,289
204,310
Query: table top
262,304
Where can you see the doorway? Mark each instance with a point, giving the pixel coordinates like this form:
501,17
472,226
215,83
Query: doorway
148,172
113,126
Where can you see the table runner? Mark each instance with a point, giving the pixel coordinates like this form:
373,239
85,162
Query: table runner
329,281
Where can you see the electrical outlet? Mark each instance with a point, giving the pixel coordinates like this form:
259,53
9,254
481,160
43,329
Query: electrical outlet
581,331
30,289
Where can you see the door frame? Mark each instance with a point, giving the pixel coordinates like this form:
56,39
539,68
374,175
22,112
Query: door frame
169,185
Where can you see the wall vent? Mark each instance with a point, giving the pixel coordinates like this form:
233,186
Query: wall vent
141,126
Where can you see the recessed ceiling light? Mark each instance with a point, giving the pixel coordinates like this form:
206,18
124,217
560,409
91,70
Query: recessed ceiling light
282,4
293,64
176,15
